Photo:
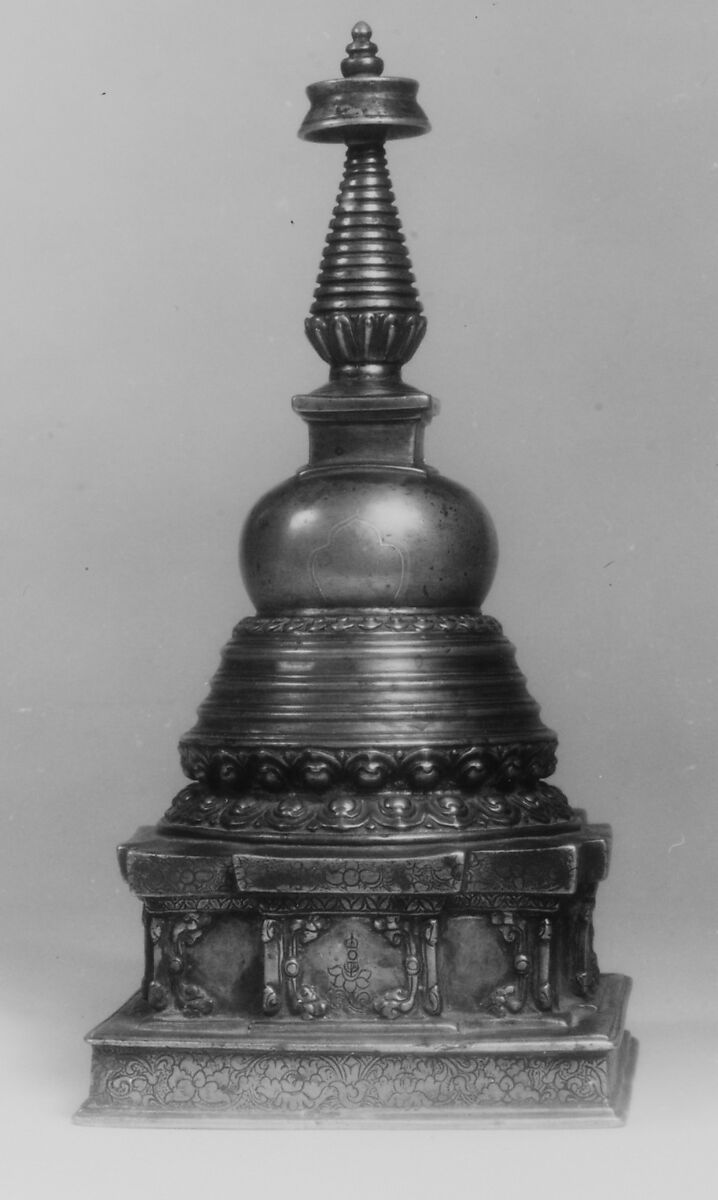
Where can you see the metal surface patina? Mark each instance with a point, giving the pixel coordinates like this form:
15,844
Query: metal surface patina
368,901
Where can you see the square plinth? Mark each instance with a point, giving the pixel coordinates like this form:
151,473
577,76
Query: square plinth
170,1071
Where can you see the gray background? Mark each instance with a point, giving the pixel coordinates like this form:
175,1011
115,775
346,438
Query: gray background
162,227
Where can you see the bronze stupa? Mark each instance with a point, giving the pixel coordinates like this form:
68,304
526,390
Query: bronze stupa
368,900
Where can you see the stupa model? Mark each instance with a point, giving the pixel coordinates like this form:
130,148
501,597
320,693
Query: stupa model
368,902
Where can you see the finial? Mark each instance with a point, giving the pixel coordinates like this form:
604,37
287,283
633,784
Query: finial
363,105
362,58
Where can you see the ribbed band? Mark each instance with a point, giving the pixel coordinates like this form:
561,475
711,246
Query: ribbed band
366,264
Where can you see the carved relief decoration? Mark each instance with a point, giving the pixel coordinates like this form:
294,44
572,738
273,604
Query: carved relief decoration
284,941
511,997
304,1000
402,933
432,994
530,955
273,966
500,766
390,337
168,969
586,970
544,988
365,818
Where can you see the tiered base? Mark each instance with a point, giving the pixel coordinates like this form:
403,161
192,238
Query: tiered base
230,1073
309,984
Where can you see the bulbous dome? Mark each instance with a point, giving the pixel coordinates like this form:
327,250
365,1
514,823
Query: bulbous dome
368,537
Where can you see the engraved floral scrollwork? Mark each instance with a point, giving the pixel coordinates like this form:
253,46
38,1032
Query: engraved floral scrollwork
285,1081
163,874
358,904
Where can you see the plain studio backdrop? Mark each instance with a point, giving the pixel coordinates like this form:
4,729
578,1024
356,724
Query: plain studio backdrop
162,227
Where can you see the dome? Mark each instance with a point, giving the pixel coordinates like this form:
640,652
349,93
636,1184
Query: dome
372,536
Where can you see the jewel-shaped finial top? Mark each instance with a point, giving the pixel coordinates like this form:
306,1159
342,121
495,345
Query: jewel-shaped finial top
362,57
364,104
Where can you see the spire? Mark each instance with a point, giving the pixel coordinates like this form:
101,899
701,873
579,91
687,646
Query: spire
366,310
366,319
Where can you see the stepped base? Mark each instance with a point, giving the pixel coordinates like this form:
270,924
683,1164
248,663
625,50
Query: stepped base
519,1072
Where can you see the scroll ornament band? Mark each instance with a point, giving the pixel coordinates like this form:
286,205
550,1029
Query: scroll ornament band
390,620
194,808
503,767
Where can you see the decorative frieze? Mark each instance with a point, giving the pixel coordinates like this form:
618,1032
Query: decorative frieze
290,1082
356,818
373,621
505,767
435,874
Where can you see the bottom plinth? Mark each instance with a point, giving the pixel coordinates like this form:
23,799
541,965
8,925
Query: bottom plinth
150,1071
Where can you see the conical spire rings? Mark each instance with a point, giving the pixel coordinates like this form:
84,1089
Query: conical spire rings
366,310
